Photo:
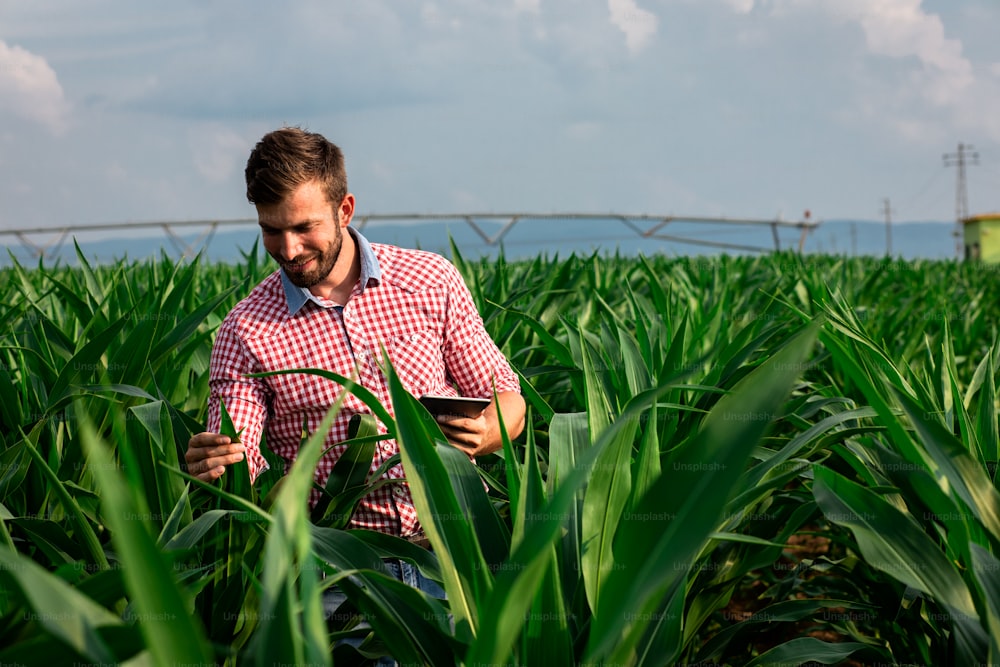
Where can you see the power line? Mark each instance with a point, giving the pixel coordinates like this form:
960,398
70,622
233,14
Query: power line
918,195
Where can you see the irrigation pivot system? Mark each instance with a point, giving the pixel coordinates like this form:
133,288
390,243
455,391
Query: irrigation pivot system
654,227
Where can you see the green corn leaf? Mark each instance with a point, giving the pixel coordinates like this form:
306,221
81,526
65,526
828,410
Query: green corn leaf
15,461
598,409
90,280
432,471
291,620
236,479
414,628
187,537
686,503
604,502
353,465
63,611
522,574
390,546
534,398
987,411
336,511
171,634
513,468
807,649
786,611
547,628
569,439
646,468
82,529
954,469
189,325
250,508
557,349
890,541
531,495
986,567
162,490
812,437
50,538
893,543
369,399
84,311
88,357
970,438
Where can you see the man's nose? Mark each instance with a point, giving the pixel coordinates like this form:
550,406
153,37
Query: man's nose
290,247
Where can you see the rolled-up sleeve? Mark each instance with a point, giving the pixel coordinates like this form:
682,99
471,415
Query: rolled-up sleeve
472,359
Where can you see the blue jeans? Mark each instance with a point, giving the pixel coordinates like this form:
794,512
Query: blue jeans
410,574
405,572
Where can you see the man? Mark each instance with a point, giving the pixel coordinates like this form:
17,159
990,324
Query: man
335,301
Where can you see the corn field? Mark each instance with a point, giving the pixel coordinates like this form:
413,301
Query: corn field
773,460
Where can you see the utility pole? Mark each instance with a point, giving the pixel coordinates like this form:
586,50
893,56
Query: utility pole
964,155
887,211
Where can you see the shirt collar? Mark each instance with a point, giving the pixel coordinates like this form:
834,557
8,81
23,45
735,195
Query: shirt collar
371,274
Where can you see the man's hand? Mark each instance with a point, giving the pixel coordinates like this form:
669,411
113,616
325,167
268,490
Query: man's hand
480,435
208,454
466,433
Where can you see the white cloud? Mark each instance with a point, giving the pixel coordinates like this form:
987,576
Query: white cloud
926,88
902,29
565,105
218,152
639,25
583,130
29,88
975,114
434,17
741,6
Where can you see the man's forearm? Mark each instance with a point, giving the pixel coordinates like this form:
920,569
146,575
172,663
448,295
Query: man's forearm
512,409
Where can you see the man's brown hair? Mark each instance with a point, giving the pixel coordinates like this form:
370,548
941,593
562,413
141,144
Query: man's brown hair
285,159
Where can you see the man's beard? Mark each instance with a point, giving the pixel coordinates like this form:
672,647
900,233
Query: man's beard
324,263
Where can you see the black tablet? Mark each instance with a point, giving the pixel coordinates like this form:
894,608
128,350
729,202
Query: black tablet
461,406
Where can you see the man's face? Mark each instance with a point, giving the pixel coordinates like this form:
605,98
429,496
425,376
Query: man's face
303,234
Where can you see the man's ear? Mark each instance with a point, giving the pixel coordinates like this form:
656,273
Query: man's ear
345,211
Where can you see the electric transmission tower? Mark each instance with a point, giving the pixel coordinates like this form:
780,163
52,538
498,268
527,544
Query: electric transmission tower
964,155
887,212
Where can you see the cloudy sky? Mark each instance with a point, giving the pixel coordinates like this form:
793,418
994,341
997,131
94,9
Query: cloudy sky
112,110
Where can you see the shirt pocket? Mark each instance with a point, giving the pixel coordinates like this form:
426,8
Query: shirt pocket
418,360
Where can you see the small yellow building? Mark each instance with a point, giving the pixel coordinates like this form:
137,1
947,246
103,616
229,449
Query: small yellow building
982,237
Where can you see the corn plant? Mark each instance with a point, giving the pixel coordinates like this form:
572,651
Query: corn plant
693,423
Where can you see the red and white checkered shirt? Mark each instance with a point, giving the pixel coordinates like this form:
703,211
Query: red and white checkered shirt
413,303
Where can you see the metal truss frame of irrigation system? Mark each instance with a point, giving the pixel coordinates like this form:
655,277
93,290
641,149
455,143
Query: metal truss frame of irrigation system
652,227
